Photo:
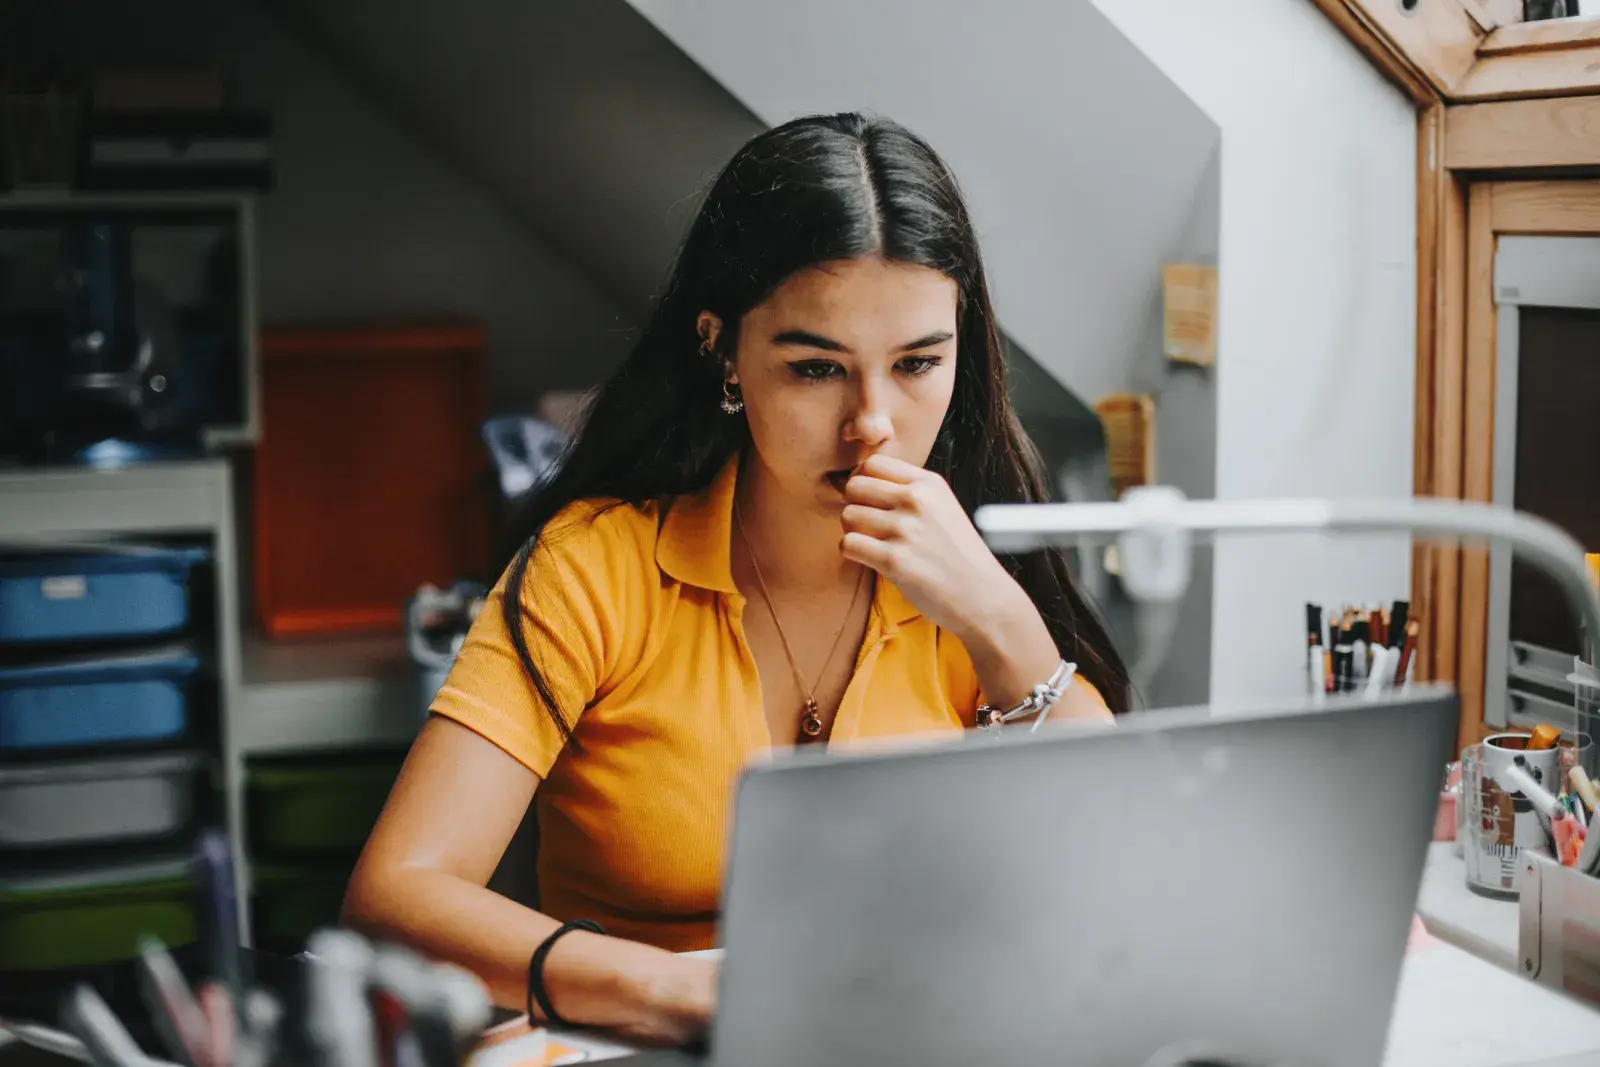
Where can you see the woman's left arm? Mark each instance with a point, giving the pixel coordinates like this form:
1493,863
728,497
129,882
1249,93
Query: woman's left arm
906,523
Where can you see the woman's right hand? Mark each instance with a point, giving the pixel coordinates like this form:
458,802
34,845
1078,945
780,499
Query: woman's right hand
422,882
675,998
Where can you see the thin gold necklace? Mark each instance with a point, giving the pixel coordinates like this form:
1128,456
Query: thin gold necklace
811,721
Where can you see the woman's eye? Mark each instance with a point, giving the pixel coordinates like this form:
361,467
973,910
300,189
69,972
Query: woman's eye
814,370
919,364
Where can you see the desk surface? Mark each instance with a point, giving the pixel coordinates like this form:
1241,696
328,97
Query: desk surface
1485,927
1438,1019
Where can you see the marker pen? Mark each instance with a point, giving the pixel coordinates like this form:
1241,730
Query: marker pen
1358,653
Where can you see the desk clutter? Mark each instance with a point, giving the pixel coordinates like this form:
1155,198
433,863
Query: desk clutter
1365,649
344,1001
108,748
1526,792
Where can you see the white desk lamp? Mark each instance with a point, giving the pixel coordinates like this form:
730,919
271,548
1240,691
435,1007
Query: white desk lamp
1155,526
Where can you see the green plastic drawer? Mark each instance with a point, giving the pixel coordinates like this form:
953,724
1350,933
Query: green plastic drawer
316,806
289,904
79,919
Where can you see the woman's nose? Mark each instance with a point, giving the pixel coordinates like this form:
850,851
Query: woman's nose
871,424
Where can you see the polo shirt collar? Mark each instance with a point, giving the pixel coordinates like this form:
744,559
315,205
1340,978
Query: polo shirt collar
696,538
697,534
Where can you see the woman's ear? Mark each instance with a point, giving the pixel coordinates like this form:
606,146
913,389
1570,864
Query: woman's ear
709,326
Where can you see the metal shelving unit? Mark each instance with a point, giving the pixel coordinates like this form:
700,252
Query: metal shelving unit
273,697
329,693
44,505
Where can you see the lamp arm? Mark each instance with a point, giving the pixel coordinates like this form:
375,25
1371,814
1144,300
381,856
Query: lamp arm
1153,524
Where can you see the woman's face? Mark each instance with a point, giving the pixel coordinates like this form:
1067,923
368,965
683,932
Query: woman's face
843,361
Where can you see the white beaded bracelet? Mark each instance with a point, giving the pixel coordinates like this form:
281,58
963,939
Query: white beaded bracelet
1040,701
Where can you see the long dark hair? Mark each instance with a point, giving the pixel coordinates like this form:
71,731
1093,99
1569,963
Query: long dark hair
811,191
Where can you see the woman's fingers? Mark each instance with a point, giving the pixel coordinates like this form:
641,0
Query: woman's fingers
876,522
877,492
890,469
881,556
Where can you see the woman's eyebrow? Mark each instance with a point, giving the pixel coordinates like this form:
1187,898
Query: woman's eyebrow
807,339
938,337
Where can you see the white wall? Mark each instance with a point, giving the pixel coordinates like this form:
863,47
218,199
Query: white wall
1315,375
365,223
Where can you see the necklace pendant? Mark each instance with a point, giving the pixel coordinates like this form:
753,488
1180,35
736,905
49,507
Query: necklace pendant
811,724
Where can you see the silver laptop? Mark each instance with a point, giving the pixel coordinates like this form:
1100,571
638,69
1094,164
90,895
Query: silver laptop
1185,885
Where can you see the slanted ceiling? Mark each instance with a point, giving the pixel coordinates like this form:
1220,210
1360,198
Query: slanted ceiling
580,117
598,124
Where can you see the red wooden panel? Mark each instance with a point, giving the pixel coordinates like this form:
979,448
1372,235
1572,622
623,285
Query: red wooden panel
367,473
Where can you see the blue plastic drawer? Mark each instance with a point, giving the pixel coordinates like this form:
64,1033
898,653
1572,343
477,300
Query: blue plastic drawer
130,699
117,593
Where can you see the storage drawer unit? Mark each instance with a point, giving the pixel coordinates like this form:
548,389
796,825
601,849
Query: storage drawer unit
119,593
318,806
125,699
97,801
292,903
59,918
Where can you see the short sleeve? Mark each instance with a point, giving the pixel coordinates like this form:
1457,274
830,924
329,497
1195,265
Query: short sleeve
573,603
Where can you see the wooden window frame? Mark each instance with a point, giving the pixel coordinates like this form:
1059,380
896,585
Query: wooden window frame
1496,209
1473,51
1503,129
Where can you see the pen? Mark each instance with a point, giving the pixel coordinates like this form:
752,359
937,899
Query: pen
1403,666
338,1016
399,985
1517,777
1398,623
178,1019
1378,678
219,936
1358,652
218,908
89,1019
1544,736
259,1017
1589,857
1584,788
1315,680
466,1005
1341,660
403,983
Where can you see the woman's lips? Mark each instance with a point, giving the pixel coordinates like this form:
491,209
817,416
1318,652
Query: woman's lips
837,479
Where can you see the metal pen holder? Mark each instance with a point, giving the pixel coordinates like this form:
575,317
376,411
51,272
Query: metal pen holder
1498,825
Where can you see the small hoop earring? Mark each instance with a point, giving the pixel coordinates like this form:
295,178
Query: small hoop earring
732,401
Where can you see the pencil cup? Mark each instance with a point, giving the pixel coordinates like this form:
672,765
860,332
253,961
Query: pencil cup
1500,824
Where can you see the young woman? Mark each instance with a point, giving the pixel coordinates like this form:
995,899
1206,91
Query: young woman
761,538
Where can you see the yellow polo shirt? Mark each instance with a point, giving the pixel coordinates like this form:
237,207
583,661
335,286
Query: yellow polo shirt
637,627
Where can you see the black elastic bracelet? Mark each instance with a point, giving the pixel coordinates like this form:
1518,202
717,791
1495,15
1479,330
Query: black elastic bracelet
536,992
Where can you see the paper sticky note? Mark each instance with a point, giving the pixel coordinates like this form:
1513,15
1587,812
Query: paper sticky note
1189,313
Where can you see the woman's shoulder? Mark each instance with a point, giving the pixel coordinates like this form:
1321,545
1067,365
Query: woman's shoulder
596,532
